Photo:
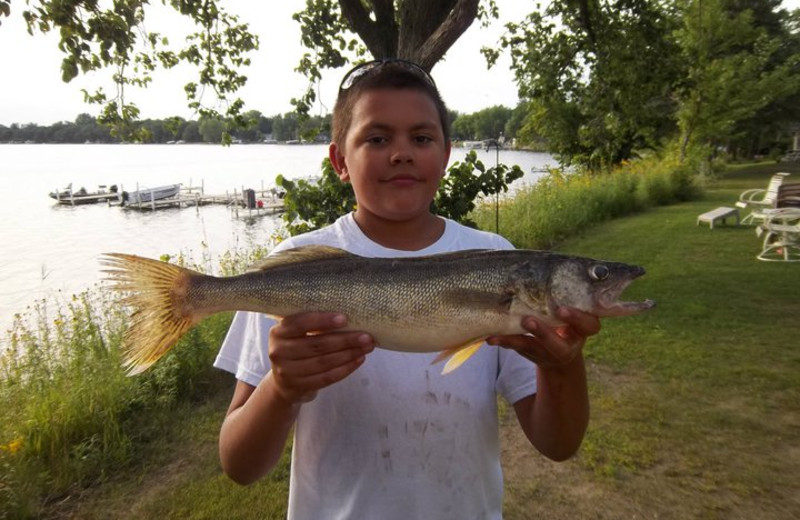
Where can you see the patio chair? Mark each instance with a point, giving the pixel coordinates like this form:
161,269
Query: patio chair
781,231
759,199
788,196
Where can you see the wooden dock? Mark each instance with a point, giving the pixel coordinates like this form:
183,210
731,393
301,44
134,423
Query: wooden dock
79,197
244,203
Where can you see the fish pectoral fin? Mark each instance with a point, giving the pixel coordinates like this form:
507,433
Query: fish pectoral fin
458,355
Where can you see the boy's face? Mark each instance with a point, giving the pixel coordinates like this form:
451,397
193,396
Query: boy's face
394,154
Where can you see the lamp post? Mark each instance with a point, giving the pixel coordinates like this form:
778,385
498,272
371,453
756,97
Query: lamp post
497,144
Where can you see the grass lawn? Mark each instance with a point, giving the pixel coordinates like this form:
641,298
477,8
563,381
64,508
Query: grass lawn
695,405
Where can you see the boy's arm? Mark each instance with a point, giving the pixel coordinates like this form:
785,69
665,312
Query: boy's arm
556,417
306,354
254,431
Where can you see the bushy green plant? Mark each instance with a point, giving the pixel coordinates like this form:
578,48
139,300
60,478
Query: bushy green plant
311,205
71,415
64,395
458,192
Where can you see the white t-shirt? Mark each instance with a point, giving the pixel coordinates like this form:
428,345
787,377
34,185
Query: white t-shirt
395,439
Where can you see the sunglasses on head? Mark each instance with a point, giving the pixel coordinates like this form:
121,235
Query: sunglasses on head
359,71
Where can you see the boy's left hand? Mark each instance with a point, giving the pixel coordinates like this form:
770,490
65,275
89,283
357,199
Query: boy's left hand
552,347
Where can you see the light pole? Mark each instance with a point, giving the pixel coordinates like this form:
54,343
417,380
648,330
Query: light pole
497,144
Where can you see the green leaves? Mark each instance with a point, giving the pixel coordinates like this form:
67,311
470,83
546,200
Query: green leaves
311,205
609,79
738,65
114,36
599,77
331,42
5,9
465,181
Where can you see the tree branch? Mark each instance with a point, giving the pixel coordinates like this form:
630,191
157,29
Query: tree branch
380,36
456,23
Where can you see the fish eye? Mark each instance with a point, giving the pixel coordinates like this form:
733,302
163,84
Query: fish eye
599,272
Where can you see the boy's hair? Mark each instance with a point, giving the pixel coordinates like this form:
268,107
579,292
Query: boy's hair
382,74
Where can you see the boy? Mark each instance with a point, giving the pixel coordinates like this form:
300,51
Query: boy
382,434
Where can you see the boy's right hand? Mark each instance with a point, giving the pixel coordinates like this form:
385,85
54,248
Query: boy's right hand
308,352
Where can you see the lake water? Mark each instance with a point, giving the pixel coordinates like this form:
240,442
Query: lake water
47,249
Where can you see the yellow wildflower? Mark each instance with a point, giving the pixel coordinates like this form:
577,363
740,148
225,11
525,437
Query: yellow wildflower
13,446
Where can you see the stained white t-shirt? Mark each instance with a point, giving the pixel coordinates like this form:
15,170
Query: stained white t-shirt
396,439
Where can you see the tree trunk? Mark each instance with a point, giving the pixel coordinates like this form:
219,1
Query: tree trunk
684,145
421,31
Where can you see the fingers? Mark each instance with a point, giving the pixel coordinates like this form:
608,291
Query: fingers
579,322
300,387
308,352
544,345
303,323
311,355
548,346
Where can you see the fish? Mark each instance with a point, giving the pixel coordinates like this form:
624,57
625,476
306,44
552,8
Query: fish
448,303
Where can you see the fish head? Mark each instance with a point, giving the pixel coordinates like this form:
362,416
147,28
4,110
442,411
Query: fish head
594,286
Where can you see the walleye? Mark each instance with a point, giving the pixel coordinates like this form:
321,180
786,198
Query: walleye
449,302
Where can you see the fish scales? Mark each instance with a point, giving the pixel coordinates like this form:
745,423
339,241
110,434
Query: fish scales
418,304
382,294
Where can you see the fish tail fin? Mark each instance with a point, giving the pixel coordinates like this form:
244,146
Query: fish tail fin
156,291
458,355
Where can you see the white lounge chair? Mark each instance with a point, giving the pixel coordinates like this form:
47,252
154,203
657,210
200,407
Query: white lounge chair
788,196
781,232
759,199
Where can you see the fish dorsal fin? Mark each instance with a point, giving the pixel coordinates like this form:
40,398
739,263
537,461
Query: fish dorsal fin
298,254
458,355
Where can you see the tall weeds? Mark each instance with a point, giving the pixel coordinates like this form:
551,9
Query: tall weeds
560,204
70,415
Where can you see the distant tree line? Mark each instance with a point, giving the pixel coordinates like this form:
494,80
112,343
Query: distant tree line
87,128
489,123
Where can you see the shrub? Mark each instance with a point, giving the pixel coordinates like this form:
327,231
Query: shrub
562,204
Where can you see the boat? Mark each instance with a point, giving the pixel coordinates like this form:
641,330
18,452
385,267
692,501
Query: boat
147,195
68,196
472,145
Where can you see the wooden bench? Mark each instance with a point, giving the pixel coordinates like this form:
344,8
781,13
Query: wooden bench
720,214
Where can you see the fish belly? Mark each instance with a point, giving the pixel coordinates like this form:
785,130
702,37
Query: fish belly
425,334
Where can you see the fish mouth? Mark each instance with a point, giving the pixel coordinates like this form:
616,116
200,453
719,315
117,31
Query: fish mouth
609,304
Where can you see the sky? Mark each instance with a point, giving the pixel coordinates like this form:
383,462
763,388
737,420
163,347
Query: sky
31,90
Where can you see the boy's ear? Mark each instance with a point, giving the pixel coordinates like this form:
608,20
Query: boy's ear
338,162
